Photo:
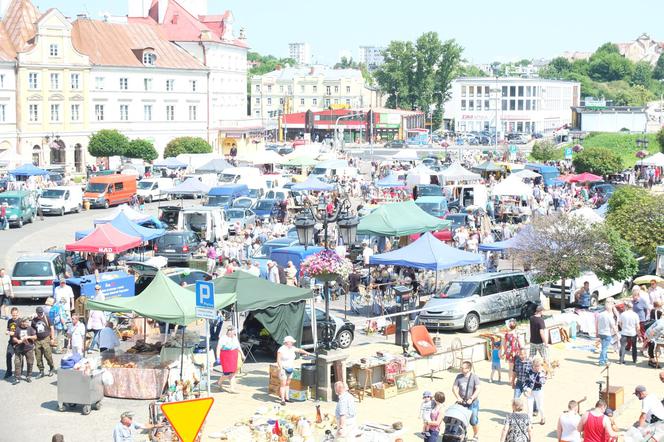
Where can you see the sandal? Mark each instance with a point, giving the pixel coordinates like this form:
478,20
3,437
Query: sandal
543,422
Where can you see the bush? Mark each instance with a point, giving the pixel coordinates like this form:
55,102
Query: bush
545,151
142,149
182,145
107,143
660,139
598,160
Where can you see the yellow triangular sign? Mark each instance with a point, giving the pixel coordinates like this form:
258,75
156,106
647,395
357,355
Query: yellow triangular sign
187,417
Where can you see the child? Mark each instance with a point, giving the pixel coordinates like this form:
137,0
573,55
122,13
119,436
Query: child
495,359
427,406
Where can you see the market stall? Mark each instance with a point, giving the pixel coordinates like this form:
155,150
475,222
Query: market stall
313,184
457,173
511,199
216,165
105,238
127,226
132,214
399,219
189,187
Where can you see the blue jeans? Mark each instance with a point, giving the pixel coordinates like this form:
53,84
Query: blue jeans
95,340
353,300
474,410
433,436
605,340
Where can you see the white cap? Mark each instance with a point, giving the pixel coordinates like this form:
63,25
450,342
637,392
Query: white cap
289,339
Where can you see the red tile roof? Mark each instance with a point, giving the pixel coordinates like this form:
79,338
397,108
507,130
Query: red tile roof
116,44
20,24
7,52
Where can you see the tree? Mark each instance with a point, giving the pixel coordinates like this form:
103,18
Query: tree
642,74
557,68
638,217
471,71
346,63
545,151
561,247
182,145
598,160
107,143
609,67
660,139
658,72
142,149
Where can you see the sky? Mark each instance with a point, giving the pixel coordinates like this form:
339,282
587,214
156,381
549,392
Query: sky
488,30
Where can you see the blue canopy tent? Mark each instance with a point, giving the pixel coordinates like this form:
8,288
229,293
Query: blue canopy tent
125,225
499,246
429,253
391,180
170,163
27,170
314,184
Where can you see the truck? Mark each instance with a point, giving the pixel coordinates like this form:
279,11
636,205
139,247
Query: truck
153,189
466,195
209,223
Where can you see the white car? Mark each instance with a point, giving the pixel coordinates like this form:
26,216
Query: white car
599,291
61,199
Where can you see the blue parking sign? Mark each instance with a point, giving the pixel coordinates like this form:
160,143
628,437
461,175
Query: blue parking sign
204,294
568,153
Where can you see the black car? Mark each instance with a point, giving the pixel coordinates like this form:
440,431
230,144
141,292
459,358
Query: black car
458,220
342,330
177,246
285,150
183,276
395,144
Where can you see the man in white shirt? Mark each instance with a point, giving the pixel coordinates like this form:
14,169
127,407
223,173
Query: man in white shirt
655,293
272,272
652,409
255,270
64,291
76,335
6,293
367,253
606,328
629,324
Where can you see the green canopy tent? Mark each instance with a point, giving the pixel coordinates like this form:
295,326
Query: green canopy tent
278,307
400,219
488,167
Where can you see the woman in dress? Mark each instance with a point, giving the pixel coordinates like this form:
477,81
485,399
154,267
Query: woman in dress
230,353
517,425
511,346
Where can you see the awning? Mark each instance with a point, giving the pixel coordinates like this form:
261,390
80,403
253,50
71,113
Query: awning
105,239
400,219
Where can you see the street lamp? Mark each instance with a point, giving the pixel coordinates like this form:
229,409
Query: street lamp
347,224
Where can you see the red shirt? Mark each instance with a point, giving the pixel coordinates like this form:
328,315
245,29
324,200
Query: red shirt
593,430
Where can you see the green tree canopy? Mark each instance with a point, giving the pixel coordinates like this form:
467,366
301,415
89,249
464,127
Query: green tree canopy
642,74
140,148
598,160
346,63
660,139
182,145
658,72
107,143
545,151
638,217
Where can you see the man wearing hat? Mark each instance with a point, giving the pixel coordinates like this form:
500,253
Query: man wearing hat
652,409
45,337
124,430
538,338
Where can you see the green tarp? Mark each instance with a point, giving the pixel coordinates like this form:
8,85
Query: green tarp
279,307
162,300
399,219
488,166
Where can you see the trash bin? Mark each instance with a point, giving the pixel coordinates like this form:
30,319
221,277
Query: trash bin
77,388
308,378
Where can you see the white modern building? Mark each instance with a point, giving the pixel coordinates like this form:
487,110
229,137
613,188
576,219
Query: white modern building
525,105
300,52
371,56
315,88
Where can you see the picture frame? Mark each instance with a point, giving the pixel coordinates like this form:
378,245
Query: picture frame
406,381
554,336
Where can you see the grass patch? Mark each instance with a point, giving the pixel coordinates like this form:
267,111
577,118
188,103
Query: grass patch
621,143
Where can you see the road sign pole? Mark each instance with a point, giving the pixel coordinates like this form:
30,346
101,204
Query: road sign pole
207,353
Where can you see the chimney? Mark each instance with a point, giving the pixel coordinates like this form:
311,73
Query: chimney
81,16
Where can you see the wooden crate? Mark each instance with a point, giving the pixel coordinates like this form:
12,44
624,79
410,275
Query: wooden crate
384,393
616,397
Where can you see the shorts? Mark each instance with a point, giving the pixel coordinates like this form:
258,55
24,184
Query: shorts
474,410
285,376
495,365
228,373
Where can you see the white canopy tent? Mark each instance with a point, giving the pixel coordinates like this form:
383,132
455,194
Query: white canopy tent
589,215
656,160
456,172
405,155
512,186
420,175
526,174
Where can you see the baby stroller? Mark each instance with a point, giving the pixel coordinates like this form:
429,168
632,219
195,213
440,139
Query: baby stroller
456,420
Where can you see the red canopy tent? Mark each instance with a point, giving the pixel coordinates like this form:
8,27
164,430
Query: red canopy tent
585,177
105,239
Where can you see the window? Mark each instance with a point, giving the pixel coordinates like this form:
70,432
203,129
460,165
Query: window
55,81
487,93
170,112
528,91
149,58
348,89
336,101
124,84
2,81
505,284
348,101
520,91
315,89
463,91
281,88
328,90
471,91
512,91
33,80
471,105
487,105
3,114
53,50
314,101
147,84
192,83
34,112
75,112
147,112
99,83
519,104
302,88
489,287
336,89
119,186
478,105
527,104
520,281
512,104
463,105
192,113
124,112
302,101
327,102
269,101
504,106
258,88
55,112
281,101
269,88
99,112
504,91
74,80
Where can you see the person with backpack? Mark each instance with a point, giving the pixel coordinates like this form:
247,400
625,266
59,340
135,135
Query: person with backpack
60,319
466,389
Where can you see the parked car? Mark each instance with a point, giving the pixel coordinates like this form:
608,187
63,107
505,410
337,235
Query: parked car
429,190
239,218
266,208
433,205
599,291
467,302
243,202
458,220
60,200
33,275
177,246
342,330
21,207
395,144
110,190
179,275
154,189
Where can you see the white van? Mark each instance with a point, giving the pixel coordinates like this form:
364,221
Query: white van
599,291
153,189
61,199
331,168
239,175
209,223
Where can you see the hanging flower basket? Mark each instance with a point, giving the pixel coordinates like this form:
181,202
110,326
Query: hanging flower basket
641,154
577,148
326,265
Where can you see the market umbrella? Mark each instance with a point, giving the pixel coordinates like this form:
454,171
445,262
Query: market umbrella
28,170
645,279
268,157
405,155
526,174
301,162
585,177
391,180
105,238
400,219
653,160
512,186
456,172
587,214
487,167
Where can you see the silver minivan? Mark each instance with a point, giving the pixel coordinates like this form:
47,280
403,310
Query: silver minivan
33,275
467,302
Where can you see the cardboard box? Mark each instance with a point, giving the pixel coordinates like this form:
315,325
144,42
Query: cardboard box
298,396
274,372
386,392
